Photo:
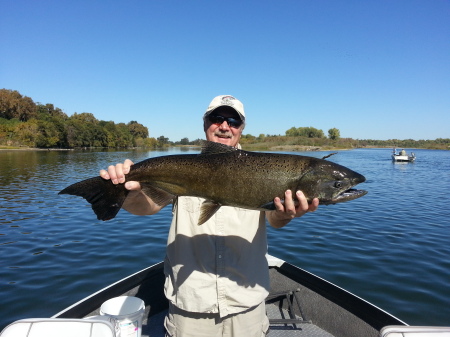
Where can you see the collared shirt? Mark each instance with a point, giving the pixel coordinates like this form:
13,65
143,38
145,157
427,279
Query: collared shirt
220,266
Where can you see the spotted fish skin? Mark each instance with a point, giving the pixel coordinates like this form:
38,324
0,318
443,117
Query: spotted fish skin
224,176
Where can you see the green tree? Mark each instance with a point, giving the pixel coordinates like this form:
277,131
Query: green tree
76,134
28,132
48,134
292,132
308,132
248,137
23,122
8,134
125,139
48,111
334,134
85,117
52,124
111,131
84,131
14,105
162,141
137,130
311,132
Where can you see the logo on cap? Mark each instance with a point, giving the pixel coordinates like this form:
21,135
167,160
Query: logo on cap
228,100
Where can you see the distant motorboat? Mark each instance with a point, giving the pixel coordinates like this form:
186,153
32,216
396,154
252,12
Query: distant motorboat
403,156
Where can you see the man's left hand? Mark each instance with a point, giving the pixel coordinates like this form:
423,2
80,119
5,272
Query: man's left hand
284,213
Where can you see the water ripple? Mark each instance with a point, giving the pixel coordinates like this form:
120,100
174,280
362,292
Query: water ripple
389,247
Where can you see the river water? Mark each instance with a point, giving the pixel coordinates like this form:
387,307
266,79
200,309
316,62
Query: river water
390,247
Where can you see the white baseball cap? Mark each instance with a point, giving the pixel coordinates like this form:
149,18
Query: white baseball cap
226,100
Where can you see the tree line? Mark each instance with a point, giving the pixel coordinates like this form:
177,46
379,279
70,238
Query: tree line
26,123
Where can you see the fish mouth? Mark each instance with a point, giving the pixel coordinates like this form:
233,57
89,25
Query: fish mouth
350,194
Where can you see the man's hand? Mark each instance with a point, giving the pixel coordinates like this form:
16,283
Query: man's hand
136,202
285,213
117,175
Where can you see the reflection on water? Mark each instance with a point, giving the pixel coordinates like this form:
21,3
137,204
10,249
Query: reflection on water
389,247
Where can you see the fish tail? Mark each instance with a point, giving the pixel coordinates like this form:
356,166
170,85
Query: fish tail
105,198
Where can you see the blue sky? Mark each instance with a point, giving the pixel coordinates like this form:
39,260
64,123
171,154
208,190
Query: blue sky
373,69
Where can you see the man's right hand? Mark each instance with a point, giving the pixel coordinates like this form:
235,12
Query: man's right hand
136,202
117,175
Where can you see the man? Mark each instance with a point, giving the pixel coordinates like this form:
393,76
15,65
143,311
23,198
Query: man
216,274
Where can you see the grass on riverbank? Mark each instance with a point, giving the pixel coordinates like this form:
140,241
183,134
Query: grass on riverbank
6,147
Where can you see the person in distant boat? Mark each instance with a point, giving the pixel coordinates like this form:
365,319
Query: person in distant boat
403,152
216,274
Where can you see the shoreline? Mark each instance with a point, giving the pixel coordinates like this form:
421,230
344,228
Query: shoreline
293,148
288,148
32,149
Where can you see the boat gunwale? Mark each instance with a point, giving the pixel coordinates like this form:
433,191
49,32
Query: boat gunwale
88,304
361,308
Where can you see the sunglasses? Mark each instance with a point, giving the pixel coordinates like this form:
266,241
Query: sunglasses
232,122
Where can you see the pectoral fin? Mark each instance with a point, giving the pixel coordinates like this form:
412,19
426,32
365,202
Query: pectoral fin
158,195
207,210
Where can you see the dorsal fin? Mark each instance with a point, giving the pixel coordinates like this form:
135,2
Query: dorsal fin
209,147
331,154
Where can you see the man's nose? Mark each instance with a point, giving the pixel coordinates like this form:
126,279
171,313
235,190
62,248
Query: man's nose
224,126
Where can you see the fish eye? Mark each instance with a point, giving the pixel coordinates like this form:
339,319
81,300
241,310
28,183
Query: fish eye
337,184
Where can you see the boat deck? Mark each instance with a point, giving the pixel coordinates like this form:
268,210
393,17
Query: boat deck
286,307
299,304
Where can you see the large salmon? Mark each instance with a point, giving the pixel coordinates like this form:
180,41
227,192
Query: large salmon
224,176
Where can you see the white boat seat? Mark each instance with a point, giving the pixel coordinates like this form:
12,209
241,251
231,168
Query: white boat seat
58,327
415,331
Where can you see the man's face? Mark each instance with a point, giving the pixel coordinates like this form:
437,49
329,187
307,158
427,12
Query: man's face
223,132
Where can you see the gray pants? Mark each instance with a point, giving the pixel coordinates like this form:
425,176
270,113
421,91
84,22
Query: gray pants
250,323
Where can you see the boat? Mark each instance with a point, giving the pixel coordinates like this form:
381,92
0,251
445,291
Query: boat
403,156
299,304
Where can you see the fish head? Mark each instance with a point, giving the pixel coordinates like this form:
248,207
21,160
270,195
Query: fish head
331,183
